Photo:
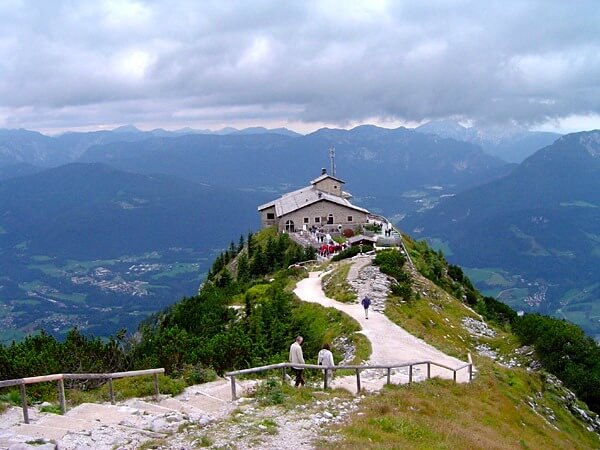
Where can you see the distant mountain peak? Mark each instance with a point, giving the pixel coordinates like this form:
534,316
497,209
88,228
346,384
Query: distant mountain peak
591,142
127,129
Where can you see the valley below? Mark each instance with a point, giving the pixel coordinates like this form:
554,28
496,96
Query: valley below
99,297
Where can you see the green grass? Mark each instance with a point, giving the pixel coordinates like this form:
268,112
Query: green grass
335,285
27,301
331,324
177,270
435,319
153,444
12,397
273,392
73,265
52,409
31,285
74,297
439,244
489,413
47,269
125,388
7,336
490,276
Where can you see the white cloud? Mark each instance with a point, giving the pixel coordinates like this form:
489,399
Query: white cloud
68,63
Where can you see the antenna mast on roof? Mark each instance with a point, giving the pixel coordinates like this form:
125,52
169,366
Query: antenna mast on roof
332,158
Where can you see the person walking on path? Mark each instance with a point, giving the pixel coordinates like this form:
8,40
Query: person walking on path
366,302
296,357
325,358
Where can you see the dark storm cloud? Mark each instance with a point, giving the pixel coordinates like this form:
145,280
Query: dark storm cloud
67,63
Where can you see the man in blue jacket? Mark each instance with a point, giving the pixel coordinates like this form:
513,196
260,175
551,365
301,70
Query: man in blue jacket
366,302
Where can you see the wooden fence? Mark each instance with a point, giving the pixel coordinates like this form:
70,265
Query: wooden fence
59,378
358,369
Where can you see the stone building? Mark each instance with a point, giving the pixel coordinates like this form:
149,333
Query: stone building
323,204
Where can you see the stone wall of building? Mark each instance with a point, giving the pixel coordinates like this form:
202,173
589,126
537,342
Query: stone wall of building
265,221
330,186
322,210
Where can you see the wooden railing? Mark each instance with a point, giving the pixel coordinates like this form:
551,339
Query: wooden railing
358,369
60,377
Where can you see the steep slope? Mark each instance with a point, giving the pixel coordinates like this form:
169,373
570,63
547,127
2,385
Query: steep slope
540,222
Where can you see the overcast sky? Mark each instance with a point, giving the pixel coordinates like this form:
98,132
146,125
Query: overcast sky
73,64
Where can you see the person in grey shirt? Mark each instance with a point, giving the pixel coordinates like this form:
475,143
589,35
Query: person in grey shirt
325,358
296,357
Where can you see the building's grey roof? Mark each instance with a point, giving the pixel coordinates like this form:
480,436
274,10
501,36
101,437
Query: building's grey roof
360,237
324,176
306,196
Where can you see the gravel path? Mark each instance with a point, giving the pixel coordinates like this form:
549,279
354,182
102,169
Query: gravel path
390,343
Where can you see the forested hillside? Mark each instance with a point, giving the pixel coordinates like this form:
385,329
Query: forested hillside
531,238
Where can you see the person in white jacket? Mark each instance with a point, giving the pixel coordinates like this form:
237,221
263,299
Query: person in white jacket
296,357
325,358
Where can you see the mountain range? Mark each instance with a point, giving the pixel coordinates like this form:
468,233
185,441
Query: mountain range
131,193
512,144
23,146
389,171
532,236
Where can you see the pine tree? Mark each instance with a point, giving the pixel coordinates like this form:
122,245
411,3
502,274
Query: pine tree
243,271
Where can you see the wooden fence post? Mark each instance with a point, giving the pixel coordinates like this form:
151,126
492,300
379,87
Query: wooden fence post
24,402
454,375
156,391
358,381
283,375
470,372
325,379
428,370
389,375
410,370
61,396
233,395
111,391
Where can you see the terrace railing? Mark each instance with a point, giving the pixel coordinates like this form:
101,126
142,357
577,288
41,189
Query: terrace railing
357,368
60,377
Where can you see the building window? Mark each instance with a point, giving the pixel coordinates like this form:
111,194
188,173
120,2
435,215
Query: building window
270,216
289,226
330,219
317,219
349,219
306,220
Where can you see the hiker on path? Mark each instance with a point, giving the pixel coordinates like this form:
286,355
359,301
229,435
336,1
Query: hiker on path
296,357
366,302
325,358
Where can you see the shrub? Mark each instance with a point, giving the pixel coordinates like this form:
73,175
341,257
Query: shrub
270,392
350,252
198,374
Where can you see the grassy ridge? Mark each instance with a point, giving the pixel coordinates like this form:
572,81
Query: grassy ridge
490,413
